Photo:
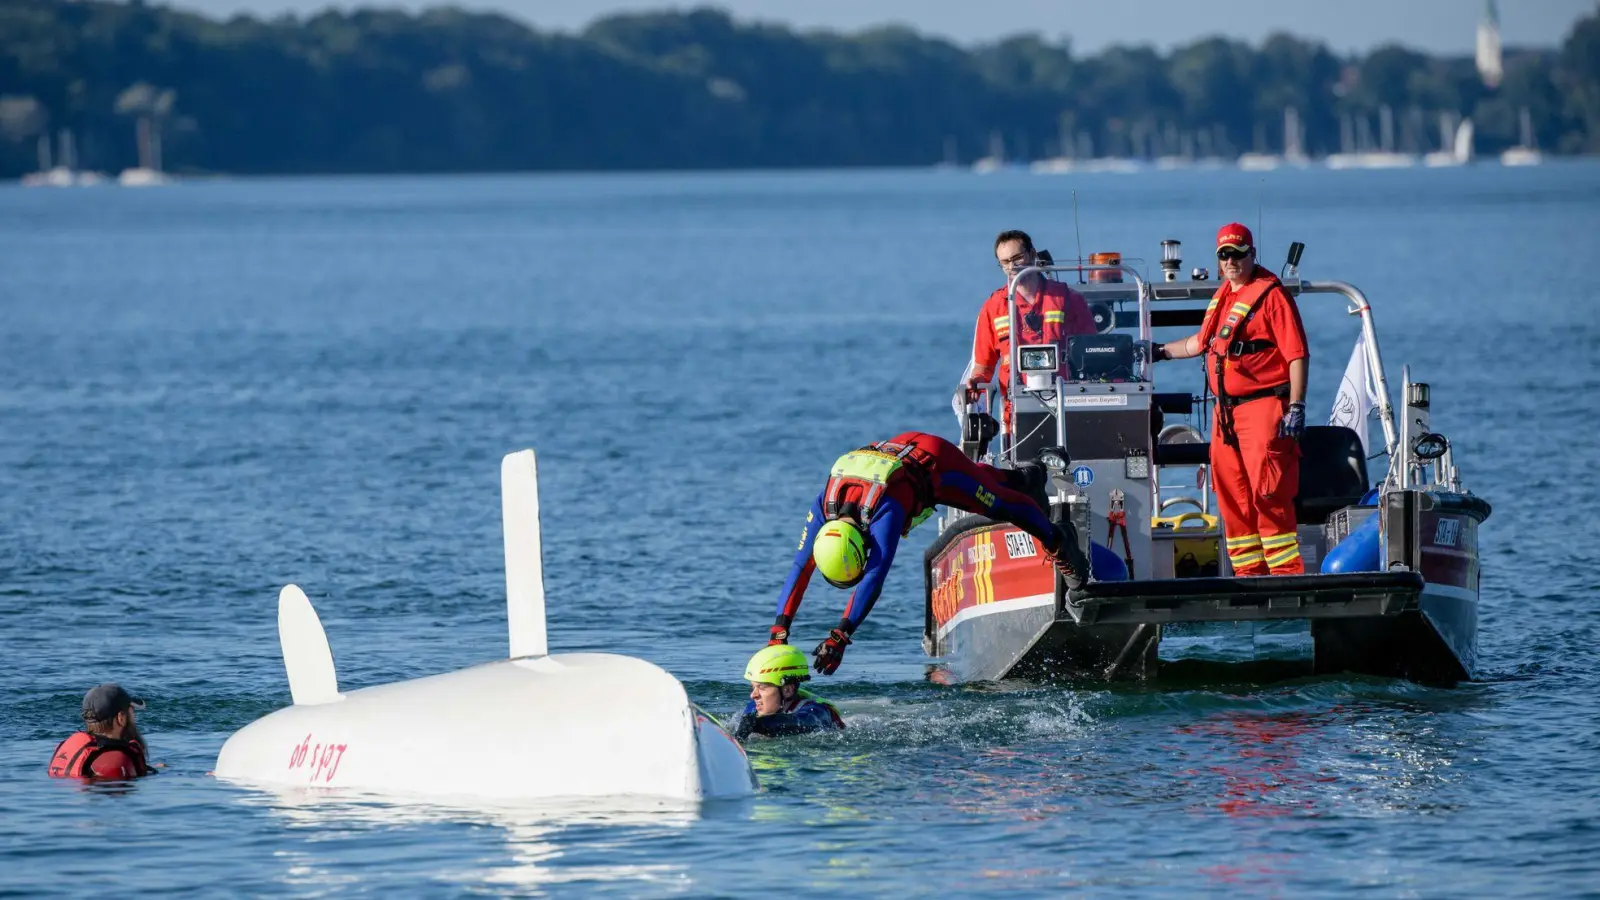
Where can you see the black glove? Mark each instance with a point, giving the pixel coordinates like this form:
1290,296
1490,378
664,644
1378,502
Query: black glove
1158,352
1294,422
780,635
830,652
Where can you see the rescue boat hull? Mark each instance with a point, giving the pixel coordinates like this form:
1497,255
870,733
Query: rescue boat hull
995,611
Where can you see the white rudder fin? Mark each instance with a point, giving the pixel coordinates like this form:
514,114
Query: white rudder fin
306,656
519,500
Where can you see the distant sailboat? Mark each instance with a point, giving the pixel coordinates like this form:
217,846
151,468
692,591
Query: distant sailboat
1526,153
1455,143
1294,153
1384,157
65,173
996,159
148,173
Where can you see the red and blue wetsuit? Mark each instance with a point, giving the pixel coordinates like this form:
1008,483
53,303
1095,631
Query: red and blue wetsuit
934,472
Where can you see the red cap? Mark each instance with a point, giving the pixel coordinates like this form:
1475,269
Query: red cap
1236,236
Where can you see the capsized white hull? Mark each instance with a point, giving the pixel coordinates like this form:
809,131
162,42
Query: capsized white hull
573,725
530,727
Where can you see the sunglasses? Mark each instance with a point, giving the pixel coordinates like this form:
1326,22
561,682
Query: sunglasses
1231,254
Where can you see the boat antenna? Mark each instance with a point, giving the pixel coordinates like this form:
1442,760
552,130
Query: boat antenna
1261,189
1078,233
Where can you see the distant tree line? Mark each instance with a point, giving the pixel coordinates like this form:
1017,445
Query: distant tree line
448,90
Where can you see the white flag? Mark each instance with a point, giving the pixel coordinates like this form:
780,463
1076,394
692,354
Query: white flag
1355,401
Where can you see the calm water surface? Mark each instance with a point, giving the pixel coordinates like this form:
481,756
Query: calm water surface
211,390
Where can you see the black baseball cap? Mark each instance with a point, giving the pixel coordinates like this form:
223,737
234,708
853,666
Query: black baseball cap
104,701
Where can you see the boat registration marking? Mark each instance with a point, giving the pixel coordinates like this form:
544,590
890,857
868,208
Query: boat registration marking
1447,533
321,759
1020,544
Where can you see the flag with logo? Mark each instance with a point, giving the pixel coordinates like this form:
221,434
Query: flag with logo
1356,399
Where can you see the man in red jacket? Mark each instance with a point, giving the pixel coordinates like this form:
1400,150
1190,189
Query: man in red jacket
1256,360
109,746
1048,312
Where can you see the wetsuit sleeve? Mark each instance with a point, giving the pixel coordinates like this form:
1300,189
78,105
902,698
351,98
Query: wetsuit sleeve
745,723
883,535
114,764
1284,325
794,588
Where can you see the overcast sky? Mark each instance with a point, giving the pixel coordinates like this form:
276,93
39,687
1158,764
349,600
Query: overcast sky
1437,26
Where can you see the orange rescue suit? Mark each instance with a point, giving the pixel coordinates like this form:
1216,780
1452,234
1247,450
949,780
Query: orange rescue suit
1250,336
1057,314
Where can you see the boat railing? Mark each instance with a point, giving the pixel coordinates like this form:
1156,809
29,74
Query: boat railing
1145,317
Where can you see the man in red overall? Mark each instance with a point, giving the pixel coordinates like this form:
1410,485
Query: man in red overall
875,496
1049,313
1256,359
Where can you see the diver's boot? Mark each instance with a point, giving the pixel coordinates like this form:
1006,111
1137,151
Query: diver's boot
1069,560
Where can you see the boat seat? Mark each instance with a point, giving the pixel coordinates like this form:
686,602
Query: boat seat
1333,473
1169,454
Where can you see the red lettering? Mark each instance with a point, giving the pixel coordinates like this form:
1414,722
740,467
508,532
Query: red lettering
297,756
341,748
322,759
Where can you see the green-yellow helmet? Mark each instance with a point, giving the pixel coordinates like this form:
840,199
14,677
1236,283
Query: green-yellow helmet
777,664
840,553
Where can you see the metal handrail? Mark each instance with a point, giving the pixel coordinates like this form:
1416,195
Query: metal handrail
1014,355
1360,306
1374,359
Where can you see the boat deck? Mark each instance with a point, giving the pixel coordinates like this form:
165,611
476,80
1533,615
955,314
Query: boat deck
1359,595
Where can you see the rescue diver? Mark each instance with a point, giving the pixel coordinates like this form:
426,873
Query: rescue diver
777,705
1256,361
874,496
109,746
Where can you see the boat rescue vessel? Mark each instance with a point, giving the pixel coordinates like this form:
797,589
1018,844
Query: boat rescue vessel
1397,590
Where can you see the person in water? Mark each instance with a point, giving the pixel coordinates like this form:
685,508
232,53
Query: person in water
874,496
777,704
109,746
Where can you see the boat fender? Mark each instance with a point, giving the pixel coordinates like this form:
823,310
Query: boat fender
1358,552
1106,564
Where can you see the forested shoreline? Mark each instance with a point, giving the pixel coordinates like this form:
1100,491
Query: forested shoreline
448,90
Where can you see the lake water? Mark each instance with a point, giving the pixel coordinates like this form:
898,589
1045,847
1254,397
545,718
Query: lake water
213,389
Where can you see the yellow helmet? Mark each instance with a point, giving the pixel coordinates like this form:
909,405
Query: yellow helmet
840,553
777,664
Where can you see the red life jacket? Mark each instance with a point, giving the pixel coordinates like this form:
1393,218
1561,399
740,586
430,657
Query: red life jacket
77,753
1220,336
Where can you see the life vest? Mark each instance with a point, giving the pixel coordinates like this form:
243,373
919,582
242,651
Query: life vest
1221,345
871,468
808,697
77,753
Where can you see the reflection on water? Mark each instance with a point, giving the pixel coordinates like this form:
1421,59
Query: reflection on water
539,841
